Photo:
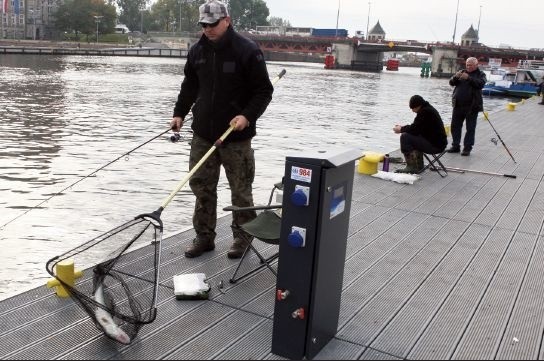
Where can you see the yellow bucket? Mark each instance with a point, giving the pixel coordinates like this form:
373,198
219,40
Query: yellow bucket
511,106
368,163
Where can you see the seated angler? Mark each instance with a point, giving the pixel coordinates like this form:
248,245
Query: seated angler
425,135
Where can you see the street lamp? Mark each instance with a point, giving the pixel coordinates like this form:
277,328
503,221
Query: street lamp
34,16
479,18
142,9
97,19
337,16
455,26
368,21
189,2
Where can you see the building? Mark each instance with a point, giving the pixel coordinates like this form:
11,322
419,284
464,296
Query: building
470,37
376,33
28,19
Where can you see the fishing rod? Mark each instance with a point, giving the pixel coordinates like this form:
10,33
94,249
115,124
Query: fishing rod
504,145
461,170
174,138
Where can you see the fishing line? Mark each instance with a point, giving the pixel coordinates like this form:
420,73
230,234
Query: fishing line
498,136
178,137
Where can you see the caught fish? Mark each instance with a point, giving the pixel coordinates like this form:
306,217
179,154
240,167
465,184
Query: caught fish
104,318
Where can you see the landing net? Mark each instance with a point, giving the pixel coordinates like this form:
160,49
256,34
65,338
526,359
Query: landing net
119,293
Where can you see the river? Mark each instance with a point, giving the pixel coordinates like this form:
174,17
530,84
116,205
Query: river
63,117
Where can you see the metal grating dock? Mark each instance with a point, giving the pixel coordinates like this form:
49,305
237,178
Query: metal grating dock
446,268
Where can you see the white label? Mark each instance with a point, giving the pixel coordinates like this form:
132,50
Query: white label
301,174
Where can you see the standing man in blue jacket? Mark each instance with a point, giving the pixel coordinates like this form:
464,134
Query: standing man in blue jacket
226,84
467,102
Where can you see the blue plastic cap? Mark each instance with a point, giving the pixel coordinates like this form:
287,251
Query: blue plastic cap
295,239
299,198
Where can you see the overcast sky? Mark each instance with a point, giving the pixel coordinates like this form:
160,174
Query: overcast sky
516,23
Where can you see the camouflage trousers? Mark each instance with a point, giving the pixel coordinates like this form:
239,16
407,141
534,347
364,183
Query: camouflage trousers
238,160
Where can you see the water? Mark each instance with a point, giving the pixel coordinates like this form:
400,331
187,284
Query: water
64,117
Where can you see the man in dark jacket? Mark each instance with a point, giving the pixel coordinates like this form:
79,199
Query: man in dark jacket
467,102
227,84
425,135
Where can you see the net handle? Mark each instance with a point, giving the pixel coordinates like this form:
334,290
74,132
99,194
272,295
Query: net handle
180,185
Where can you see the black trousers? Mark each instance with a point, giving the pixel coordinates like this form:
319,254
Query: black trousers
410,142
459,116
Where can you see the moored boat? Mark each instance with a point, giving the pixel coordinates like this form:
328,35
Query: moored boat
522,83
392,64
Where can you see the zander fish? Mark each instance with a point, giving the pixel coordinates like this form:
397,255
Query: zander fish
104,318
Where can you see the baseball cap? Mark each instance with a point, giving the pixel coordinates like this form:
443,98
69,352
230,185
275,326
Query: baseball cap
212,11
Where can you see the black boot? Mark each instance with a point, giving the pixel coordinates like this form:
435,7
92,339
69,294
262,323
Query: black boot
419,161
411,163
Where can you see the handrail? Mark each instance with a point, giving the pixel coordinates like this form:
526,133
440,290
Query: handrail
147,52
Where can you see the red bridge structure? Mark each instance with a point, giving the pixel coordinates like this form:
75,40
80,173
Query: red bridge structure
368,55
296,48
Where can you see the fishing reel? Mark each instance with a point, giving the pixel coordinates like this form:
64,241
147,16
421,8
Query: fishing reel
494,141
175,138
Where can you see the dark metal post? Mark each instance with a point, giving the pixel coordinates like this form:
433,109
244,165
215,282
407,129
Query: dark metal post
455,26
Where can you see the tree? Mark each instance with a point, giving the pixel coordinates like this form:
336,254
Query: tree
275,21
168,12
163,12
78,16
247,14
130,12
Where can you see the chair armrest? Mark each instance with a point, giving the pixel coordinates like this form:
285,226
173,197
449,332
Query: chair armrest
253,208
279,185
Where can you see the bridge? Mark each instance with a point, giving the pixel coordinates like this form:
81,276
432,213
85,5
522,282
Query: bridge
358,54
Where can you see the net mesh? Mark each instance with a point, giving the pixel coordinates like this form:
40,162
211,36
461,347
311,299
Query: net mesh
119,289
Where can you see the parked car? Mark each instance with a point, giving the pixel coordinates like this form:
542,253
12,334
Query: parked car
121,29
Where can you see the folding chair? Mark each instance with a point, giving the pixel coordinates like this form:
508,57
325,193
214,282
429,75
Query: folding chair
432,163
266,228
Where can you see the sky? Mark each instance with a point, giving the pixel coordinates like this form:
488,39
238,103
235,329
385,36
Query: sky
518,24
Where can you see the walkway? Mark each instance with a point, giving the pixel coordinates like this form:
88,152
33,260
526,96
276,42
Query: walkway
446,268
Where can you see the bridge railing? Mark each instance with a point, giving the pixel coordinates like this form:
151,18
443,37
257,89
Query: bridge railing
144,52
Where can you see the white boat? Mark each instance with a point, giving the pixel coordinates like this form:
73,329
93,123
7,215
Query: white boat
522,83
495,74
